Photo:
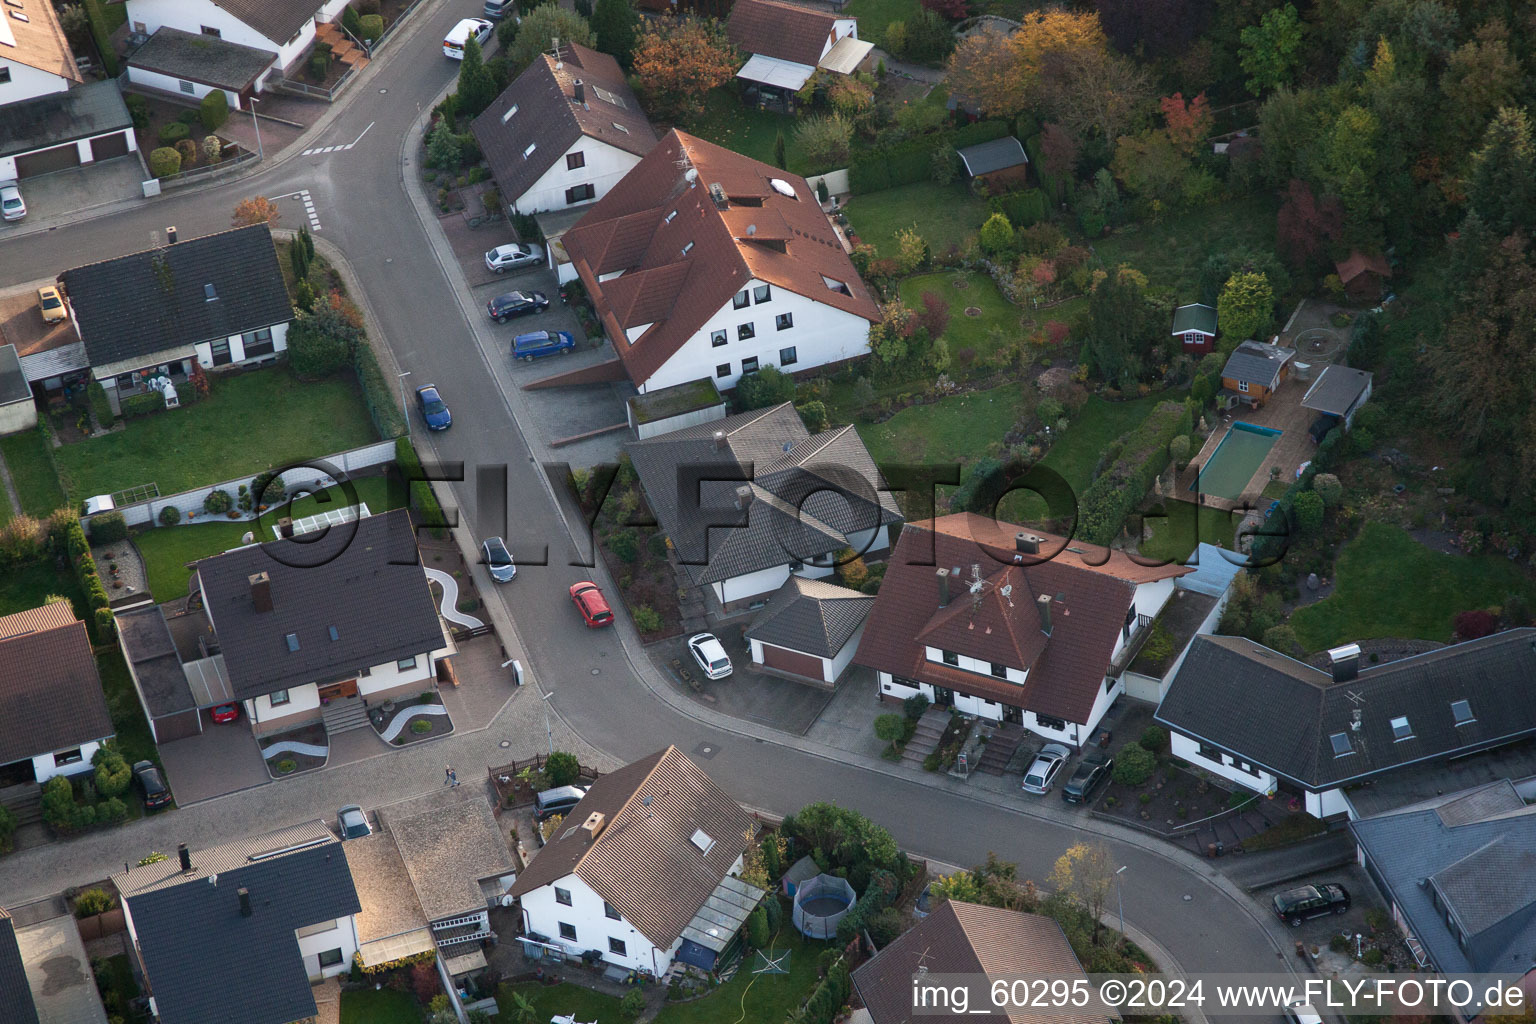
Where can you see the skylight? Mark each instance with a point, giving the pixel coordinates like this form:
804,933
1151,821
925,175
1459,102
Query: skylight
1340,741
208,293
702,841
687,248
668,218
621,128
608,97
508,115
335,634
1462,711
529,151
1401,730
20,17
292,640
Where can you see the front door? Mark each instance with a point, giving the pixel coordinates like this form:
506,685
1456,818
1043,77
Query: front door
1013,714
332,691
944,698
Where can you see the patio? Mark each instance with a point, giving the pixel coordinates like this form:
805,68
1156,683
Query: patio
1284,413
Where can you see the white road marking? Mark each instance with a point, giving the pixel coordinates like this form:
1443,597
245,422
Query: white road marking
322,150
309,205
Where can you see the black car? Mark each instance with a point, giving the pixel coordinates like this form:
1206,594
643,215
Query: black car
504,307
151,785
1297,905
1091,773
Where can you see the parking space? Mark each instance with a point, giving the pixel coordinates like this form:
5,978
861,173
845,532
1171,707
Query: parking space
60,193
746,693
221,759
22,324
1320,931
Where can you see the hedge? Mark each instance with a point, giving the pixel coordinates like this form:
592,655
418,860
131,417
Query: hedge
101,405
213,111
1054,187
371,27
1131,464
388,419
828,998
909,162
422,498
174,131
1269,545
142,405
1022,208
108,528
103,37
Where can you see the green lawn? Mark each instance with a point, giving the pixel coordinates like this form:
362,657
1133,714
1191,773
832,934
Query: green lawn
1076,453
589,1007
1389,585
6,511
251,422
1173,533
728,122
168,549
979,292
1170,253
28,586
955,429
941,213
755,998
379,1006
874,15
36,483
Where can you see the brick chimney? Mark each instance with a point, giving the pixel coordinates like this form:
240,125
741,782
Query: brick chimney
245,901
593,826
1027,544
261,591
943,575
1043,603
185,855
1345,662
578,91
285,527
719,440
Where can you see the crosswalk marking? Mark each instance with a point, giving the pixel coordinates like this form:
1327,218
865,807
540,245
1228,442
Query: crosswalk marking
321,150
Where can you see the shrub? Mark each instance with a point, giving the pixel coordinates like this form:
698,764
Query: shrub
1329,489
21,540
101,406
768,386
647,619
757,928
1470,625
213,111
112,773
914,706
884,926
164,162
562,768
173,132
814,415
1308,509
625,545
1154,738
111,810
421,727
108,528
106,625
890,728
1373,956
1178,450
1134,765
170,515
212,148
371,27
288,765
351,21
94,901
319,65
632,1005
218,502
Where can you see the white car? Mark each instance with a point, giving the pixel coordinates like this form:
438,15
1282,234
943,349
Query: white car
710,654
478,28
12,207
1042,772
512,256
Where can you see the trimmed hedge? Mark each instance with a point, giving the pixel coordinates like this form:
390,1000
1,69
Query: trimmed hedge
422,498
388,419
142,405
108,528
909,162
101,405
370,27
173,132
213,111
164,162
1130,464
1022,208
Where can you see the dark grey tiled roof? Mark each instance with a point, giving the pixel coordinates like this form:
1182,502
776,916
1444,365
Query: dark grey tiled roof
1483,870
1336,390
1281,714
1196,316
15,992
808,492
59,117
1257,362
811,616
986,157
201,58
13,383
208,962
155,300
277,20
367,582
147,641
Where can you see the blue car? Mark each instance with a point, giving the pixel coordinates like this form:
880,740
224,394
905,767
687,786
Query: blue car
541,343
433,411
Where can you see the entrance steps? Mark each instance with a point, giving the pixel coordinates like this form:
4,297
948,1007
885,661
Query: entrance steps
1001,746
344,714
925,740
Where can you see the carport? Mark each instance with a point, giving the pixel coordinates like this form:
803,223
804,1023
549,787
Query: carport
64,129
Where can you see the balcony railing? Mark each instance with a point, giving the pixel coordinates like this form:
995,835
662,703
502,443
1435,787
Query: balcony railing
1140,630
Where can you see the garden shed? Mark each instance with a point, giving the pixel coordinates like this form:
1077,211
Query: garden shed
1000,164
800,871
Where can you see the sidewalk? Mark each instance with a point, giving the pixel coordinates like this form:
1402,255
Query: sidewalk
1271,867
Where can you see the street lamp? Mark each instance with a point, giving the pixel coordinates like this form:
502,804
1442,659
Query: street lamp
1120,896
547,731
257,125
405,410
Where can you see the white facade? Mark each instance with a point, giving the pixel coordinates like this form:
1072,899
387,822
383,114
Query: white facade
1148,600
27,82
183,87
1217,762
65,762
18,416
831,668
82,148
195,16
601,167
304,700
202,352
819,334
766,581
328,937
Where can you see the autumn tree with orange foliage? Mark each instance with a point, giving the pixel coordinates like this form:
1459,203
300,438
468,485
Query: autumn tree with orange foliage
678,60
1186,123
1001,74
255,210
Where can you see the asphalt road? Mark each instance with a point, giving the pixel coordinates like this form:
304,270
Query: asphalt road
437,331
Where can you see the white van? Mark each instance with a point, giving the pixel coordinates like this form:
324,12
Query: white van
479,28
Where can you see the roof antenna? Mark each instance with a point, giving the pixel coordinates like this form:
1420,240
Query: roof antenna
558,62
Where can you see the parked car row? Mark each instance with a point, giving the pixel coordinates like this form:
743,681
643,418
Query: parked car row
1091,773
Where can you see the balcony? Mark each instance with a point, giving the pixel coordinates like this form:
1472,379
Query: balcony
1141,629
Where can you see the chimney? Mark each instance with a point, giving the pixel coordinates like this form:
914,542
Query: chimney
170,235
1043,602
719,440
593,826
1345,661
578,91
245,901
285,527
743,497
943,588
261,591
1027,543
185,855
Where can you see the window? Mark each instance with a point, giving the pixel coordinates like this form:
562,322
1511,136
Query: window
1191,338
1047,722
562,896
209,30
529,151
1341,747
1000,671
406,664
1462,711
609,912
575,160
292,640
749,364
258,343
787,356
951,658
784,321
723,370
330,958
745,331
5,74
717,338
741,300
568,931
668,218
621,128
1401,730
580,193
220,352
278,698
64,757
186,87
511,112
688,248
1242,386
1208,752
616,946
762,293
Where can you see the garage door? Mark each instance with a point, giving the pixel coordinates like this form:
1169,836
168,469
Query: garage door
791,661
109,146
43,161
177,726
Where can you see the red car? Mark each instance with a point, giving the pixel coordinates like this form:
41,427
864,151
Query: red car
225,713
591,603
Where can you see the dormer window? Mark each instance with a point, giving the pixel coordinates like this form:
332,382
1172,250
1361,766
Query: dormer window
951,658
1401,730
1341,747
1000,671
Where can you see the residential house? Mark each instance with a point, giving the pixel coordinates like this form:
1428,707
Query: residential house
1458,875
53,712
1339,391
703,262
15,991
17,410
1013,626
191,65
810,630
35,59
1347,724
564,132
1364,277
998,165
643,870
1252,373
285,28
1195,327
218,300
754,498
786,44
236,933
1199,598
969,939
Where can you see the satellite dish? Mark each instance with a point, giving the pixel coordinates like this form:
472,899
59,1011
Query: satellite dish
1007,590
691,175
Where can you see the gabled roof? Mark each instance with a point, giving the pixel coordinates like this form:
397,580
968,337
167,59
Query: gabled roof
15,990
684,254
1066,668
277,20
207,961
1197,317
644,861
811,616
448,841
808,492
155,300
996,155
548,116
786,31
201,58
1228,690
1359,263
50,693
1336,390
1257,362
967,938
367,582
38,42
95,108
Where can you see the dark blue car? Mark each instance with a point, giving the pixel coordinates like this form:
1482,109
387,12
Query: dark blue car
433,411
541,343
504,307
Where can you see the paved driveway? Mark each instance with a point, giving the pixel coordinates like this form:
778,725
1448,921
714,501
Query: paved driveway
221,759
80,188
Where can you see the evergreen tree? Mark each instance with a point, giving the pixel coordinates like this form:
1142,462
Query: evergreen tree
616,23
476,86
1500,187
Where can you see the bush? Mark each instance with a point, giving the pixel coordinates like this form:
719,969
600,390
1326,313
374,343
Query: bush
1308,509
647,619
21,540
1154,738
625,545
351,21
757,928
108,528
914,706
768,386
164,162
1134,765
1178,450
319,65
890,728
173,132
562,768
218,502
632,1005
1022,208
101,406
106,625
94,901
111,810
213,111
1470,625
1329,489
170,515
371,27
421,727
884,926
112,773
1133,461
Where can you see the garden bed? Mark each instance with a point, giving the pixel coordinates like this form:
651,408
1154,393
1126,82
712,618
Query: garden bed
1170,800
636,556
400,722
285,763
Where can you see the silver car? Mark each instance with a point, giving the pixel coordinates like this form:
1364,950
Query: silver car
12,207
498,560
352,823
1042,771
513,256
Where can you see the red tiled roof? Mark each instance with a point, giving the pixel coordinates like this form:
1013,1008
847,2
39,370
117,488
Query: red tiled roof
643,226
785,31
1359,263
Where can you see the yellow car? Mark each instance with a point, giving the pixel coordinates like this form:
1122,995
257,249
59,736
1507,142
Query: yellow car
52,305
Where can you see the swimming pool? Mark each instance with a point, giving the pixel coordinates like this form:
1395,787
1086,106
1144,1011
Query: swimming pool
1226,474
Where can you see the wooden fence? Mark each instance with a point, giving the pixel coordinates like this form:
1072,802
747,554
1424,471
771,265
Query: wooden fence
513,792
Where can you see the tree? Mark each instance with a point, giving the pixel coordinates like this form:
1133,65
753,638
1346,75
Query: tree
1246,304
1134,765
986,70
1058,155
1473,624
767,387
477,89
1308,510
1085,873
1202,390
780,159
562,769
1250,610
1479,78
443,149
757,928
960,887
1269,54
1178,448
677,62
256,210
518,1010
1304,227
824,140
1123,326
1151,168
322,342
1283,638
996,235
934,316
890,728
1186,123
1093,91
616,24
1500,188
213,111
1329,489
540,28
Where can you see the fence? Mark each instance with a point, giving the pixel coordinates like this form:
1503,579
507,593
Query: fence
98,925
389,29
147,512
314,91
513,792
197,174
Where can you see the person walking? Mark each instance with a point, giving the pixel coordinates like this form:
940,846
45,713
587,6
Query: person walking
447,774
453,777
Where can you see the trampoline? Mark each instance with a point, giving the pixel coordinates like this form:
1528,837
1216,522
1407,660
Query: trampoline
820,904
